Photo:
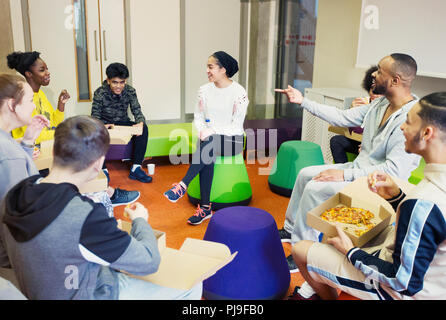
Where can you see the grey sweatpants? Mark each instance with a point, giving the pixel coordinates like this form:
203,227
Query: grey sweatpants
308,194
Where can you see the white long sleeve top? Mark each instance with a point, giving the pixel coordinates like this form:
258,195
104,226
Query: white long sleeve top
224,107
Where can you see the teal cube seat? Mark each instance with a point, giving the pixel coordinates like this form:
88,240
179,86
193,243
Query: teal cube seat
291,158
230,184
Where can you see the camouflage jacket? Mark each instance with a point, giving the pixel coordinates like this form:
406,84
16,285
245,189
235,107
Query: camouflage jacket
111,108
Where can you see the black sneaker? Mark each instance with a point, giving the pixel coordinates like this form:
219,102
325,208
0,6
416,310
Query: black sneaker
291,264
140,175
285,236
200,215
123,197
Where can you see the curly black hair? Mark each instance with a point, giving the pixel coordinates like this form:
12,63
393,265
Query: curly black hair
368,80
22,61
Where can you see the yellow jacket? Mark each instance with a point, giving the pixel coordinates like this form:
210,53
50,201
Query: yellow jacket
44,107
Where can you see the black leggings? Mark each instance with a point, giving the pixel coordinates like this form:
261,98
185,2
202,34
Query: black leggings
203,161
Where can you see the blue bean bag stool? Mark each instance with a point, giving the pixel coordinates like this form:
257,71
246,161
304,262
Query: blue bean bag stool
260,270
120,151
230,185
291,158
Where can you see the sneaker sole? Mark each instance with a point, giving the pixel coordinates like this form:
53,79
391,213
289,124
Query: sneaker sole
140,180
294,270
125,203
197,223
285,240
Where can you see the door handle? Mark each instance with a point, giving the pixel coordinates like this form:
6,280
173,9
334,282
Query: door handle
96,45
105,46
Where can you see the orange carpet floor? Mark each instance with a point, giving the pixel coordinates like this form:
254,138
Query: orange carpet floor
171,217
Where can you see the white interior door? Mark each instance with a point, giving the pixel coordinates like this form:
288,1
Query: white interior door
112,30
94,44
52,34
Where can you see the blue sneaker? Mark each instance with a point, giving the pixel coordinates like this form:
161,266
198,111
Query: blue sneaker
200,215
175,193
123,197
140,175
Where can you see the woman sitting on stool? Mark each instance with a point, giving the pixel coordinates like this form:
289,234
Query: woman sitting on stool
218,117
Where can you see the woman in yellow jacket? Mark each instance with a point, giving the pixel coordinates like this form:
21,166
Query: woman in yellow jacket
36,73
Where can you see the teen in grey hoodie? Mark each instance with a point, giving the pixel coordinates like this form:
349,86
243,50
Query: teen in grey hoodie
382,143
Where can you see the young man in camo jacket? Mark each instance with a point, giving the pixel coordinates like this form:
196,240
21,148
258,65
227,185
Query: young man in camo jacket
110,105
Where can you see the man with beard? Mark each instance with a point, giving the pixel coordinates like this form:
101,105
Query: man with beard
382,144
410,262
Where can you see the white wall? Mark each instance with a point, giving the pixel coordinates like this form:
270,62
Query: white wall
336,47
155,57
163,65
210,26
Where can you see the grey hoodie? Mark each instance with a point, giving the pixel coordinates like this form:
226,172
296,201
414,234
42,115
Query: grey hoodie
382,148
64,246
16,163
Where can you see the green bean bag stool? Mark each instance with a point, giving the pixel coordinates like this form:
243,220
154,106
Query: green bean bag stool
230,185
291,158
171,139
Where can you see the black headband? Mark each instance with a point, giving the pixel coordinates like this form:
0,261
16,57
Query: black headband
228,62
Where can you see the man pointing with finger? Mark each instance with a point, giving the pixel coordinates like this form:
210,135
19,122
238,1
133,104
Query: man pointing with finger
382,144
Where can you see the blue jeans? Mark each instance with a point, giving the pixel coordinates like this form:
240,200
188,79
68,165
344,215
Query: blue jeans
137,289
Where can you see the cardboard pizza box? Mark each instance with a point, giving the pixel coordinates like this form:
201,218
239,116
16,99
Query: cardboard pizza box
193,263
96,185
123,134
381,218
345,132
45,159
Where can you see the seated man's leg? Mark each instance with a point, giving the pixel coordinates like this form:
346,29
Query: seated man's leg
139,151
322,266
137,289
305,175
140,145
313,195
